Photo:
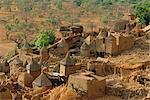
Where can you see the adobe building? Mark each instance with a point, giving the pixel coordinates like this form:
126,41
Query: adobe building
111,45
44,54
125,42
15,64
97,67
68,66
33,68
92,85
25,79
120,26
85,50
42,81
91,41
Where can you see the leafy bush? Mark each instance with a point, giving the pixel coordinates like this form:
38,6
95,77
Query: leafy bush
45,38
142,10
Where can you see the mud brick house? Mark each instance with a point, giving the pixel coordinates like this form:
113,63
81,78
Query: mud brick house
120,26
115,44
68,66
91,85
111,45
33,68
125,42
42,81
25,79
97,67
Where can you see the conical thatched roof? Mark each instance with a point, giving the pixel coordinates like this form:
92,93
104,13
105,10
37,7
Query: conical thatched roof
18,61
89,39
33,66
25,79
42,81
68,60
85,46
26,45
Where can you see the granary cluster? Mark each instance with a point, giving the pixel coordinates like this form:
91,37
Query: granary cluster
78,59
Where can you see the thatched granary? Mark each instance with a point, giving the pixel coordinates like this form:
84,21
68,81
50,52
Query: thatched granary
34,68
85,50
44,54
25,79
67,65
26,48
42,81
62,46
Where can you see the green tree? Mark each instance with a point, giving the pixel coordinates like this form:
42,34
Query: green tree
45,38
78,2
142,10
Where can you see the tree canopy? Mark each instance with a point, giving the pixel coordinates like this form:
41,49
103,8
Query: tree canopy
142,10
45,38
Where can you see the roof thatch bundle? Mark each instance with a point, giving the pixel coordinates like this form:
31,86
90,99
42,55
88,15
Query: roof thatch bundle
62,93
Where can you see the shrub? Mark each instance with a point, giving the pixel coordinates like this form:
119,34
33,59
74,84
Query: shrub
142,10
45,38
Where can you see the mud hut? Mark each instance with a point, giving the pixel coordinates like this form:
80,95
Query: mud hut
34,68
25,79
67,65
111,45
62,46
26,48
85,50
92,86
44,54
42,81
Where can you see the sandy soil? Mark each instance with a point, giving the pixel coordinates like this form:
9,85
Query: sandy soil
5,46
133,55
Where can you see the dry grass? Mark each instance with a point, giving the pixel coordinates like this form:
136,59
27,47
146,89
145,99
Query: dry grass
61,93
